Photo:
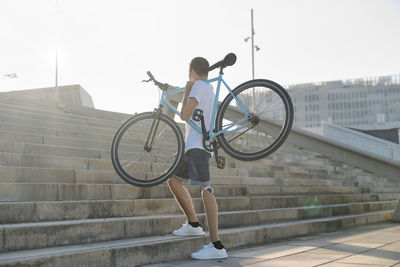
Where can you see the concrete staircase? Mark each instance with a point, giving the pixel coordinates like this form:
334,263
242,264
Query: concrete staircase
61,203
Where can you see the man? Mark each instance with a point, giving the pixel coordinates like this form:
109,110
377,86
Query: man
198,97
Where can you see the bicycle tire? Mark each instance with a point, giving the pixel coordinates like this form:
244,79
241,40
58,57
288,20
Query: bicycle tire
133,133
272,90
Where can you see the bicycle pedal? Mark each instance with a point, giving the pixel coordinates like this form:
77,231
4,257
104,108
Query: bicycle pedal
221,162
197,115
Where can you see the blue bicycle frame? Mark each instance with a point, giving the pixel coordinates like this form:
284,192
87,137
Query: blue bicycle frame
211,133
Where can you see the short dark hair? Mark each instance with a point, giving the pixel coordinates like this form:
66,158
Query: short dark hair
200,65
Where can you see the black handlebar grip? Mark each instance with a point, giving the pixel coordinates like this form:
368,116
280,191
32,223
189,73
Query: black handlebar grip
150,75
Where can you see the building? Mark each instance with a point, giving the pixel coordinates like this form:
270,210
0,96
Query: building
365,104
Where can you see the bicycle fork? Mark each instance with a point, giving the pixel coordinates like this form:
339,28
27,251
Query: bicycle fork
153,130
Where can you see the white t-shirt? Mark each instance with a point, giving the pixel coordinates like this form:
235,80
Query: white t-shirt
204,94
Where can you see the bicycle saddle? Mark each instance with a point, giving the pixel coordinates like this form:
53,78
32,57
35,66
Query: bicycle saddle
228,60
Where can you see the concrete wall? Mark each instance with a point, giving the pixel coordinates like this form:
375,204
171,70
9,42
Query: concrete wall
364,142
73,95
336,150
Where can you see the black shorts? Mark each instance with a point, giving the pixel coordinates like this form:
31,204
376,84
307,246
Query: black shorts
195,165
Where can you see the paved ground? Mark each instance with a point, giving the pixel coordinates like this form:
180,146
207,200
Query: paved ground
374,245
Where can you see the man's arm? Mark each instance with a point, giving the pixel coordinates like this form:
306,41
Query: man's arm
188,108
189,104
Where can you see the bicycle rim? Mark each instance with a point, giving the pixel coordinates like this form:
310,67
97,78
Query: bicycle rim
147,166
270,105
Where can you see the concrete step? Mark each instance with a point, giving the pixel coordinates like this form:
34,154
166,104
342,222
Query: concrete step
226,176
82,127
64,124
60,122
53,150
24,236
12,136
21,137
257,168
103,115
57,117
52,192
103,151
46,160
56,175
51,175
138,251
62,134
56,107
61,112
23,128
123,117
93,135
41,211
23,150
43,161
74,140
48,131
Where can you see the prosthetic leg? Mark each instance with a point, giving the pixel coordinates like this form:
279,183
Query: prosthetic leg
211,209
214,250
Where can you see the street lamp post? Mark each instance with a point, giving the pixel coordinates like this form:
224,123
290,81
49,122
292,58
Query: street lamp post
252,55
56,65
56,70
252,45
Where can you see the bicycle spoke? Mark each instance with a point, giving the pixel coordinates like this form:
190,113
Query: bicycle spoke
130,162
265,103
150,164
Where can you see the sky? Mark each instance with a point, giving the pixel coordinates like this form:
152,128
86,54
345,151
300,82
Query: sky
108,46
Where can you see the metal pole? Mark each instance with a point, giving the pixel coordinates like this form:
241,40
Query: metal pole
252,61
252,45
56,70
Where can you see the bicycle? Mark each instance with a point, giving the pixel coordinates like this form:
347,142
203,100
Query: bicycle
143,147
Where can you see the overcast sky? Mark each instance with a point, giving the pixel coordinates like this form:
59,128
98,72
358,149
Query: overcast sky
107,46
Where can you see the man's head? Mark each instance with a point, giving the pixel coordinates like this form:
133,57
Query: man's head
198,69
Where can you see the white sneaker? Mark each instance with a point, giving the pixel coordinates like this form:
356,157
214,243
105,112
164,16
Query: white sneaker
209,252
188,230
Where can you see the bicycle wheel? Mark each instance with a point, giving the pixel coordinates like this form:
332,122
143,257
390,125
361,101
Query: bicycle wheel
260,131
143,148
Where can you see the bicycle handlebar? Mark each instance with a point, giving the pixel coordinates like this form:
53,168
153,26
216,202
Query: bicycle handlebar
162,86
150,75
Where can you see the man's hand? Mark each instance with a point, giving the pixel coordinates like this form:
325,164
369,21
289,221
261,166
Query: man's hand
188,105
188,87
